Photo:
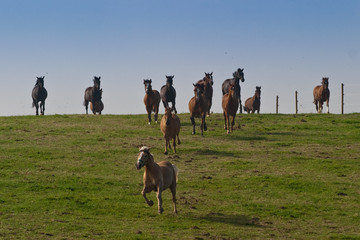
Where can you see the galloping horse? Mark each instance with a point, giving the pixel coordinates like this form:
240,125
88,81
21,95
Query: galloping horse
39,94
92,94
230,105
322,94
168,93
237,77
208,82
96,105
151,100
198,106
253,103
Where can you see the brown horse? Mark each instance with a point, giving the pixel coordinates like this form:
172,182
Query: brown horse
238,76
198,107
97,105
230,105
321,94
157,177
252,104
170,127
151,100
39,94
208,82
92,93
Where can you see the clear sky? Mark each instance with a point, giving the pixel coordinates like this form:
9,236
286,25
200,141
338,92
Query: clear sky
283,46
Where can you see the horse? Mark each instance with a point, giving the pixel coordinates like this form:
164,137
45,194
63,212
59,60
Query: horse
237,77
151,100
90,92
230,105
157,177
321,94
39,94
198,107
170,127
253,103
168,93
208,82
97,105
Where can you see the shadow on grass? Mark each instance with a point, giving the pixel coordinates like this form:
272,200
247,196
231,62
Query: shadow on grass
237,220
215,152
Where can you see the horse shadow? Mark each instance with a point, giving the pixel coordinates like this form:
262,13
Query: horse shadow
211,152
236,220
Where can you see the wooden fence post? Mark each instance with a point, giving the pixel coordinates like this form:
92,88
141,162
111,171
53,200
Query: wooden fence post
296,102
277,104
342,98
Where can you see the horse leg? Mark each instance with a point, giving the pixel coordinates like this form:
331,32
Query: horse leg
233,122
316,106
156,112
320,106
144,192
173,192
174,144
240,105
42,107
178,139
36,103
327,106
159,198
203,124
193,124
149,115
173,106
86,104
228,123
225,127
166,145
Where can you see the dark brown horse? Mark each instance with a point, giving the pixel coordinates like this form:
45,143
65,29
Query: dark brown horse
198,107
168,93
252,104
208,82
39,94
237,77
322,94
230,105
97,105
92,94
151,100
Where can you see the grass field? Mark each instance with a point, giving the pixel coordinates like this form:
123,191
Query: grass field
276,177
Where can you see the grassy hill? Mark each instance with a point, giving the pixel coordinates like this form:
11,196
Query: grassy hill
278,177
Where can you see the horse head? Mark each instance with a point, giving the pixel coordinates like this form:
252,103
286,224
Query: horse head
147,83
239,75
198,90
143,157
168,115
97,82
169,80
40,81
258,92
232,90
209,78
325,82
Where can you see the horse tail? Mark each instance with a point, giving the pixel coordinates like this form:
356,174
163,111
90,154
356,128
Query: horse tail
176,172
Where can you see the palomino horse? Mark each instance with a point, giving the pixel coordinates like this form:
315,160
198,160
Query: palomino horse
92,94
168,93
208,82
170,127
230,105
322,94
198,106
157,177
253,103
39,94
151,100
96,105
237,77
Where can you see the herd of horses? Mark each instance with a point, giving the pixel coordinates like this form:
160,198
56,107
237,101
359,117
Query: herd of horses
160,176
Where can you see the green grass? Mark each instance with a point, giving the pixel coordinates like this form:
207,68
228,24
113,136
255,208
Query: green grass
274,177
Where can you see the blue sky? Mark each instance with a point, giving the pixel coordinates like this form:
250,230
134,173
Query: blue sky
283,46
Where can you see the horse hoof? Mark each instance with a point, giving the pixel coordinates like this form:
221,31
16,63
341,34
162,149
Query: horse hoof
166,153
161,211
150,203
149,123
193,133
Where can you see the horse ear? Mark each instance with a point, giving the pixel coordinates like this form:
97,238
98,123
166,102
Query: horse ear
150,81
194,84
